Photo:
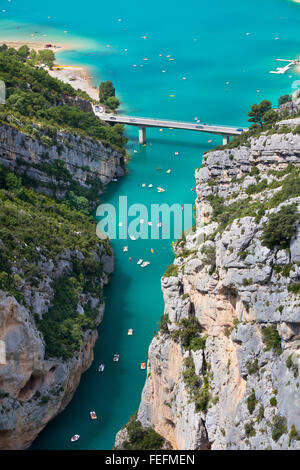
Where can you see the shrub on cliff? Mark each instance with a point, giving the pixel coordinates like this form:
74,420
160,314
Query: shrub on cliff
188,334
198,391
171,270
272,339
140,438
281,227
284,99
279,427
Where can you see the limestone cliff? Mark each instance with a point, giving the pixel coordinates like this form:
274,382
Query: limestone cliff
89,162
51,303
223,368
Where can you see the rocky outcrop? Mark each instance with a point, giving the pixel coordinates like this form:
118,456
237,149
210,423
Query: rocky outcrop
88,161
223,368
34,388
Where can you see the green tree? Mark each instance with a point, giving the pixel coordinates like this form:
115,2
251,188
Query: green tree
106,90
270,117
46,57
23,52
112,102
258,111
284,99
281,227
12,181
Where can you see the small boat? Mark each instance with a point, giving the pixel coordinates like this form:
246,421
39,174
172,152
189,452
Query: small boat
75,438
101,368
116,358
125,248
160,190
142,221
176,153
193,189
152,251
93,415
158,168
140,261
130,332
159,224
145,263
150,224
143,365
132,237
150,186
143,185
168,171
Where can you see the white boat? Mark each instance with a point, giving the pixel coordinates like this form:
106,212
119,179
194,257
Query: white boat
75,438
140,261
116,358
132,237
101,368
93,415
125,248
146,263
130,332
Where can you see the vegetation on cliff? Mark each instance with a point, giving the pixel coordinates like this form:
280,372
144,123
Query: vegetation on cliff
50,256
34,231
33,96
139,438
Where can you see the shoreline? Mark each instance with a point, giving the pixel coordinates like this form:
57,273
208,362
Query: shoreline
76,76
36,45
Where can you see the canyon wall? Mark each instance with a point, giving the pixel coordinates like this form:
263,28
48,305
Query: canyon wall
223,368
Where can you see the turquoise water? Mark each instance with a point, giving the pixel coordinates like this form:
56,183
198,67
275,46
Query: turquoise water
210,47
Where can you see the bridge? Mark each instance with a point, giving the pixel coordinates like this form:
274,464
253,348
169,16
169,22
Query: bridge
142,123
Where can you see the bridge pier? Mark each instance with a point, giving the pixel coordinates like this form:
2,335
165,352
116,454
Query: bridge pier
142,135
226,139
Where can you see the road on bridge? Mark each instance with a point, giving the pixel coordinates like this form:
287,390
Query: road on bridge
142,123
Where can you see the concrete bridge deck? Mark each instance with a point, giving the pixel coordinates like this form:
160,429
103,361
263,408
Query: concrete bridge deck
225,131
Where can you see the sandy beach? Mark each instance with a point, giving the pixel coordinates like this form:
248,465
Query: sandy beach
36,45
77,77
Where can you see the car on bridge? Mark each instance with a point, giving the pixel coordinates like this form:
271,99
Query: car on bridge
112,118
240,129
133,120
199,127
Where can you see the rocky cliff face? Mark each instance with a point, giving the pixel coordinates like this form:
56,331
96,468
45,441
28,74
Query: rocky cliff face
34,388
88,161
223,369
